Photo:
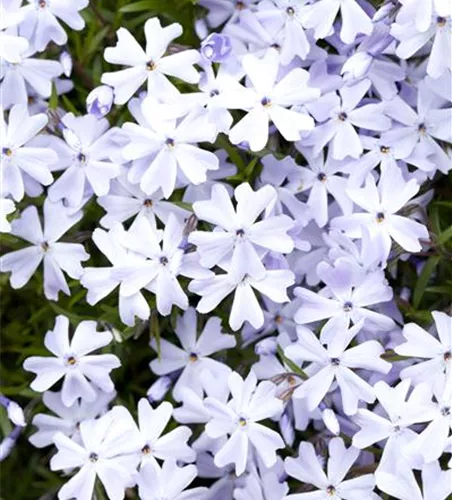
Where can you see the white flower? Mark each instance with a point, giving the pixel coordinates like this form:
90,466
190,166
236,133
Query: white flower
150,65
105,451
238,240
336,363
395,427
239,419
41,24
436,352
168,482
67,419
151,444
86,159
57,256
268,101
162,265
81,373
381,205
101,281
346,297
126,200
35,73
7,207
171,146
20,154
11,46
245,306
306,468
401,483
193,358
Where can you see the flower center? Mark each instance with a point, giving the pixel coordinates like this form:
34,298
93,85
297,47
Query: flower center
240,5
331,490
42,4
169,142
342,116
214,92
242,422
321,177
148,203
278,319
348,306
7,151
71,361
422,128
445,411
240,232
385,149
335,361
266,102
193,357
93,457
441,21
150,65
163,261
146,450
380,217
81,158
45,246
447,356
290,11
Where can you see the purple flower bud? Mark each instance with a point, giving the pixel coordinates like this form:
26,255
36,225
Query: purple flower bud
7,445
266,347
159,388
99,101
216,47
286,428
15,412
66,62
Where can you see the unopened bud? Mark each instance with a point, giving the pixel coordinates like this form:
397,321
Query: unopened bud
266,347
216,47
159,388
330,421
99,101
66,62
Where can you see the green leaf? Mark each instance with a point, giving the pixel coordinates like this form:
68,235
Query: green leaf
423,279
154,330
445,236
53,101
293,366
142,6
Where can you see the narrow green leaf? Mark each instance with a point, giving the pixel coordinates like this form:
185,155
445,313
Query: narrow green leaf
423,279
293,366
445,236
142,6
53,101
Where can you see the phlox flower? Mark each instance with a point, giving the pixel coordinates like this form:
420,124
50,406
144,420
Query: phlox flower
220,11
56,256
21,156
150,65
85,158
66,419
238,239
28,73
7,207
381,217
346,298
344,115
194,357
165,150
105,452
101,281
336,362
41,25
306,468
437,352
169,482
321,15
161,264
245,306
151,445
250,403
267,100
401,483
82,373
11,46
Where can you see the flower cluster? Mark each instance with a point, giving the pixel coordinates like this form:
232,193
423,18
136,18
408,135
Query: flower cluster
258,199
